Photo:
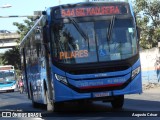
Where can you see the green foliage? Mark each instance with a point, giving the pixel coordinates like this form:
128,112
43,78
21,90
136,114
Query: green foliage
23,28
12,57
149,22
2,61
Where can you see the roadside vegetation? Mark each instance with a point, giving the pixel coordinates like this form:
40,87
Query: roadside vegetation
12,56
148,20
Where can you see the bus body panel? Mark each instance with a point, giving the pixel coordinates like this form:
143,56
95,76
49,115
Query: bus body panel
8,86
47,70
67,93
37,77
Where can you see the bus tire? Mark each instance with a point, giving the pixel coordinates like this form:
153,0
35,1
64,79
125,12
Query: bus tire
117,102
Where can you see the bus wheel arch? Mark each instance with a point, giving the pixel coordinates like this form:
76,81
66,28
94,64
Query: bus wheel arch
34,104
44,90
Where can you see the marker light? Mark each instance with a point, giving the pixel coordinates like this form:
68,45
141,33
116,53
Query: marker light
61,78
135,72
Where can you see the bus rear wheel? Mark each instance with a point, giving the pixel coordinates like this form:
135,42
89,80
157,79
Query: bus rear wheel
118,102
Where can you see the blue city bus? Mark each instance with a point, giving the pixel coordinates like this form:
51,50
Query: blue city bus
82,52
7,78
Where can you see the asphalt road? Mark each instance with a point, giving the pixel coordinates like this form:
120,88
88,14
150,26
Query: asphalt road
144,105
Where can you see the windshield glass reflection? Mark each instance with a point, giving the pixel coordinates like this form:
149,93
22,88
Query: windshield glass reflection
72,47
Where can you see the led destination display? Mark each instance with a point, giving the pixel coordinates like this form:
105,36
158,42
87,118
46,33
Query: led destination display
93,11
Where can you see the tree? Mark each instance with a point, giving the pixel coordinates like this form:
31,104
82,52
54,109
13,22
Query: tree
149,22
12,57
2,61
23,28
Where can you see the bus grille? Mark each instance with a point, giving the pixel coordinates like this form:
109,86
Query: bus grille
98,70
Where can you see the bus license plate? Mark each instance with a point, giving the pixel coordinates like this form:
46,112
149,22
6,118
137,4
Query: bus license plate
101,94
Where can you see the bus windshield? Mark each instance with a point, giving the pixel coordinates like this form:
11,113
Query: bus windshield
6,76
71,47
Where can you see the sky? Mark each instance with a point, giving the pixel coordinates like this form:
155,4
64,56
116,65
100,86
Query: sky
24,7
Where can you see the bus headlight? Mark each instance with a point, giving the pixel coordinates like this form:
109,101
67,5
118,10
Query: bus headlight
61,78
135,72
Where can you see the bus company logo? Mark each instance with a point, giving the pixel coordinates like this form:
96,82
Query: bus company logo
101,75
6,114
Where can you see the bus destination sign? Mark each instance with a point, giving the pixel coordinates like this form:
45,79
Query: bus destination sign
93,11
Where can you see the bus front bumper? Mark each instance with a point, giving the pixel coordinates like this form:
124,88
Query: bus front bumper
67,94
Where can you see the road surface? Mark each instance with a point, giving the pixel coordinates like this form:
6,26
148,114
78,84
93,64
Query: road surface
146,104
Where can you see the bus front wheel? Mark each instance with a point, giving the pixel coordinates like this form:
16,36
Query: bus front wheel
118,102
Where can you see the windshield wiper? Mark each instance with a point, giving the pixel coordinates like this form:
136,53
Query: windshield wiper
79,30
111,25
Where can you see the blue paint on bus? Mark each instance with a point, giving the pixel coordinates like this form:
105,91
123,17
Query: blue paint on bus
61,56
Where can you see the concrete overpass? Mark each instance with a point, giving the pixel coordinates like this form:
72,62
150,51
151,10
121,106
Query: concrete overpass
8,40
